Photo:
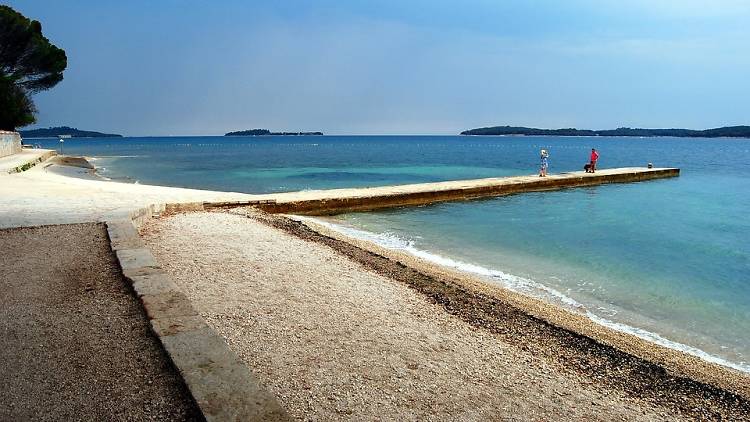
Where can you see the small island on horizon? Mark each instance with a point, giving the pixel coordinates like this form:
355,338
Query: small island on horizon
266,132
65,132
721,132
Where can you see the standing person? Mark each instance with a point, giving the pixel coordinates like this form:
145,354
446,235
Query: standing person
594,157
544,164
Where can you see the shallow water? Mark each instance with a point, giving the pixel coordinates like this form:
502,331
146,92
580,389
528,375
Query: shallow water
667,256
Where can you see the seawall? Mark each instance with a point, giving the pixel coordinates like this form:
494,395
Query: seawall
10,143
339,201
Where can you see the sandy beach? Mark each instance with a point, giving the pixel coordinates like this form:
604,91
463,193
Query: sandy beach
334,338
51,193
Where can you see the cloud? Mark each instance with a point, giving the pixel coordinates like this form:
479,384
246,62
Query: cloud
584,63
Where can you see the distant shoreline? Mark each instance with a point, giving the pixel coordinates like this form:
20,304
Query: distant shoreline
595,136
64,132
721,132
266,132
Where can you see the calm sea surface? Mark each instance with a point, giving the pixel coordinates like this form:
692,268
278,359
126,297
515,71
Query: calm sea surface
668,260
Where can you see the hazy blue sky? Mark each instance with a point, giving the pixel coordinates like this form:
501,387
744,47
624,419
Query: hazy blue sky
144,67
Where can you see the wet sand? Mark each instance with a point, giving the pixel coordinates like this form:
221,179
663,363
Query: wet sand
339,332
76,344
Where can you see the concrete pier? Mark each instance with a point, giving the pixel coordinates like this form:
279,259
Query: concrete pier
337,201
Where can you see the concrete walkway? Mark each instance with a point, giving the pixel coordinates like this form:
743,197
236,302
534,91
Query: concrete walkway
336,201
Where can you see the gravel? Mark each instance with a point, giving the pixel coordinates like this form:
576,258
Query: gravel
336,341
76,344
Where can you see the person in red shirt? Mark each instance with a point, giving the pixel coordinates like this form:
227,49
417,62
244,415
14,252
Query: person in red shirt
594,157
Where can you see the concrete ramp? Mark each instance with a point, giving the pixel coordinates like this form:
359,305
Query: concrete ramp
337,201
24,160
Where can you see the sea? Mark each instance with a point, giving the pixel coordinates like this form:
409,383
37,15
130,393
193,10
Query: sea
667,260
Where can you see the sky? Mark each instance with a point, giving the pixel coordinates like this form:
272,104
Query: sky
200,67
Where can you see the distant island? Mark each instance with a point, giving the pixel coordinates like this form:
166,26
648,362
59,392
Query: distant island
728,131
65,131
266,132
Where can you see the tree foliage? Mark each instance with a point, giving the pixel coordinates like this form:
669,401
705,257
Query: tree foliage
29,63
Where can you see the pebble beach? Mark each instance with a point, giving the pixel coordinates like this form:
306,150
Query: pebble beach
333,338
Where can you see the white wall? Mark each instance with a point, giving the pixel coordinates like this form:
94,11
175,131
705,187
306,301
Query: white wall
10,143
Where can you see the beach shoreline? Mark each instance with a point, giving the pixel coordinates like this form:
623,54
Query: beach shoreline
656,368
397,246
674,361
565,343
71,168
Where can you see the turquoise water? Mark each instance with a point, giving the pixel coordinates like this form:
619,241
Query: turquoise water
668,257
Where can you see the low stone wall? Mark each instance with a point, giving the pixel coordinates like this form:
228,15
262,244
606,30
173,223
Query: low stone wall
10,143
222,386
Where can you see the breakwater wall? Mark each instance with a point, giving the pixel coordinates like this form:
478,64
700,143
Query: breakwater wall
350,200
339,201
10,143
